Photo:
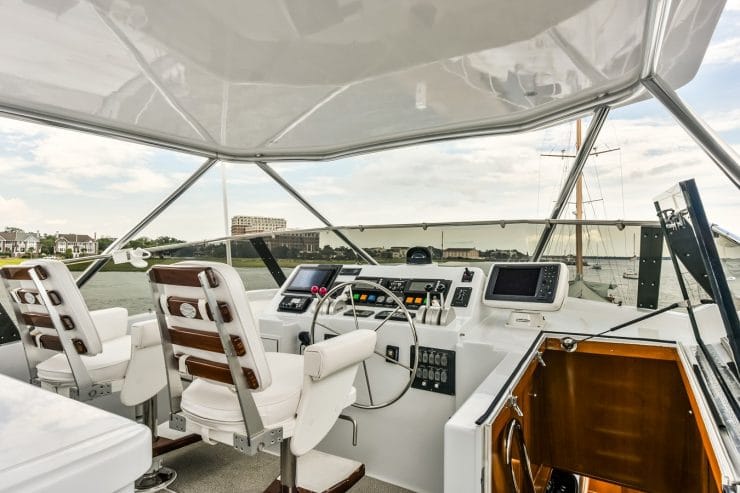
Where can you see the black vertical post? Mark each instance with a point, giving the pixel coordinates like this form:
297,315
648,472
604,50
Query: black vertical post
269,259
717,280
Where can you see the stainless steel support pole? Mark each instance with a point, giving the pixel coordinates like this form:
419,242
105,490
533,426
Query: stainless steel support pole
292,191
288,468
121,242
721,153
597,122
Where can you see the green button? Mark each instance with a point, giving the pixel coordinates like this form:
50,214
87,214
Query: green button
356,296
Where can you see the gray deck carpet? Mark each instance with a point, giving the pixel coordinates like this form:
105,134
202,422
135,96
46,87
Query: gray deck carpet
221,469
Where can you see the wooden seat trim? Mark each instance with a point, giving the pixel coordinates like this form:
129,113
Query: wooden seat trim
340,487
175,303
20,273
219,372
44,320
205,340
181,275
20,297
48,341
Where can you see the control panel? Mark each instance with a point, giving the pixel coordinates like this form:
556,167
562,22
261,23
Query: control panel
436,370
294,303
412,292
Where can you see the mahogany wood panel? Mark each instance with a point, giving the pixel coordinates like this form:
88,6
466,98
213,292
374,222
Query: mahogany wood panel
525,390
23,294
175,303
48,341
203,339
596,486
181,275
340,487
163,445
218,372
710,476
20,273
44,320
624,419
642,351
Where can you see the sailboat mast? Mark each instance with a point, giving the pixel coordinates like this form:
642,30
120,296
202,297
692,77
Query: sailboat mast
579,210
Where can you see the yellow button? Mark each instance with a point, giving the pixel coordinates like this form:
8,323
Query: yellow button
409,300
418,301
363,297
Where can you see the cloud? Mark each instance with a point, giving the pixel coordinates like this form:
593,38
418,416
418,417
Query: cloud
723,52
16,212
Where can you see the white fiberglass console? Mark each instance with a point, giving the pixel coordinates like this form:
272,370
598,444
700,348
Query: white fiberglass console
532,286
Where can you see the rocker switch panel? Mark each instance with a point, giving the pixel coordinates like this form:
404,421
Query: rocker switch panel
436,370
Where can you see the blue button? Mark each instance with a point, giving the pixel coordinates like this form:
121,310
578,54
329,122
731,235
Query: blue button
371,298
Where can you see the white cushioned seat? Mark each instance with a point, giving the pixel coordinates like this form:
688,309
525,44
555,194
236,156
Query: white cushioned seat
215,402
106,366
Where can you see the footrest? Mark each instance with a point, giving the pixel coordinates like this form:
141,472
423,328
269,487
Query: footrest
169,440
318,472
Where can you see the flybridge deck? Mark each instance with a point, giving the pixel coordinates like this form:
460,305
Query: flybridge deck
464,371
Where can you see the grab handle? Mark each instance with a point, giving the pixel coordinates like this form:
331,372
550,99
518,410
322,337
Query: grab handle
512,428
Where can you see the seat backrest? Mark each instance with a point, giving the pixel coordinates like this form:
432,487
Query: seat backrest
38,328
190,326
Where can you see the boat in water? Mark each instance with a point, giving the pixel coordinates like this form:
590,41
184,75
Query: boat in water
377,368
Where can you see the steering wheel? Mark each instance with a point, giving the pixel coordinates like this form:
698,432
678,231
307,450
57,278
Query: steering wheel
323,308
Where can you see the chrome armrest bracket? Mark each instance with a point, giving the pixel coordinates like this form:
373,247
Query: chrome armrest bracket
255,443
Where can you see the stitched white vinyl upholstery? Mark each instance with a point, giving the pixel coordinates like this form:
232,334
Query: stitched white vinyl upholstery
214,402
230,290
288,394
109,365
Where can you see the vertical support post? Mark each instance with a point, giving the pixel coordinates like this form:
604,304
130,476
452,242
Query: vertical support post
579,210
121,241
580,161
225,197
717,150
288,468
292,191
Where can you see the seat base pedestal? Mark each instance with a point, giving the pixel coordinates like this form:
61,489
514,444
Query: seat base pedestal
325,473
155,480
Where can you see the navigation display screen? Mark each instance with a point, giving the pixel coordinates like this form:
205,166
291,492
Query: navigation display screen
312,276
516,282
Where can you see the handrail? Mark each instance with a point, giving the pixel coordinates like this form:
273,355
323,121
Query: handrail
726,234
618,223
514,426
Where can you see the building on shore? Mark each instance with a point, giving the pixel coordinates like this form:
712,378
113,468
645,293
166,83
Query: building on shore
15,242
466,253
80,245
298,242
241,225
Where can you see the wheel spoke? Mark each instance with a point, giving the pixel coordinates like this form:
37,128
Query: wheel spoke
367,382
386,319
354,309
393,360
328,328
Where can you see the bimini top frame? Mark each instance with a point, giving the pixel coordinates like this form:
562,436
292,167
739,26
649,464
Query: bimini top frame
272,81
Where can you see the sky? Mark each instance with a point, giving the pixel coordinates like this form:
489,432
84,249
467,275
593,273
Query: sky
56,180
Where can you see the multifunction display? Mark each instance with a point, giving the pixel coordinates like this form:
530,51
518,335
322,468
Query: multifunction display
525,283
306,277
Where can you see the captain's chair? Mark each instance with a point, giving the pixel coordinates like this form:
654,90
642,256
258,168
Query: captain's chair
243,396
85,354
